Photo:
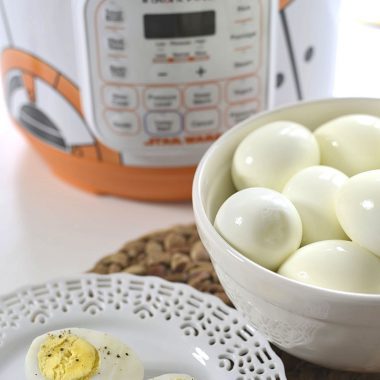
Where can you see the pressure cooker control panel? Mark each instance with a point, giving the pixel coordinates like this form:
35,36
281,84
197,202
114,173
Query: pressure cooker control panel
168,77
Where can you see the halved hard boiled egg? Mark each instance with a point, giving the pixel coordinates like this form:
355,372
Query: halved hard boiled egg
81,354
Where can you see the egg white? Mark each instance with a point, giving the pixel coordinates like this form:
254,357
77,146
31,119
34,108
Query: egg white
117,361
350,143
261,224
313,192
358,209
272,154
335,264
173,376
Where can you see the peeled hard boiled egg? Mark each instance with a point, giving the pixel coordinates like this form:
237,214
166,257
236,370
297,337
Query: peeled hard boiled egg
350,143
313,191
272,154
173,376
261,224
81,354
358,209
335,264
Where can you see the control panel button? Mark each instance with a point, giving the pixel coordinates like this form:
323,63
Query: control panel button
247,7
241,90
113,13
202,96
164,73
201,55
179,56
120,97
245,64
117,70
115,42
160,58
201,71
162,98
160,73
163,123
244,8
202,121
237,114
123,122
243,34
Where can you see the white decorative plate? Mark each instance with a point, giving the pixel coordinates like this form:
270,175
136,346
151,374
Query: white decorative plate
172,327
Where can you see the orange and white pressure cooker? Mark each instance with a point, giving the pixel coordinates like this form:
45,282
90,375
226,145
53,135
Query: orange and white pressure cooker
123,97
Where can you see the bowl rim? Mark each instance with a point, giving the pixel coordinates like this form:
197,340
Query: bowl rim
205,224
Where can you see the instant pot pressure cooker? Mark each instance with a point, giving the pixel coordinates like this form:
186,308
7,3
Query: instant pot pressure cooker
124,97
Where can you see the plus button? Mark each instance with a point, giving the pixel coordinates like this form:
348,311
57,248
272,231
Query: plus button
201,71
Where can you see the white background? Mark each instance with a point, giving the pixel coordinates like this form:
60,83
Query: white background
49,229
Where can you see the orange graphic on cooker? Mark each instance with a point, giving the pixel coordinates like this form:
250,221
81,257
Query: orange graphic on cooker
284,3
92,167
33,69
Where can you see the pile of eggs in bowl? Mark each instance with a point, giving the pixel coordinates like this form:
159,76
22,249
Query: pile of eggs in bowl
308,204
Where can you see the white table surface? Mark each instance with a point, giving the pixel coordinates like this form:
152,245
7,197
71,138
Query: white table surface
49,229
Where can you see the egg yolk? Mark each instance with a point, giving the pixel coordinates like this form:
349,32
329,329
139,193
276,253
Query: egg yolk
67,357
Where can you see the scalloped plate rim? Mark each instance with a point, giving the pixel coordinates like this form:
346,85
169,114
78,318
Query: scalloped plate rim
205,297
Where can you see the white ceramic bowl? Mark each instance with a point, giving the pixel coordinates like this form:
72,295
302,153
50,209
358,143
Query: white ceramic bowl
330,328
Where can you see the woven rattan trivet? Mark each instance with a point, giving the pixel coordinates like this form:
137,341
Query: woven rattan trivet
178,255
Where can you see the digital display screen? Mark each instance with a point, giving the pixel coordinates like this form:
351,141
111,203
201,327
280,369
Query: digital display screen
179,25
